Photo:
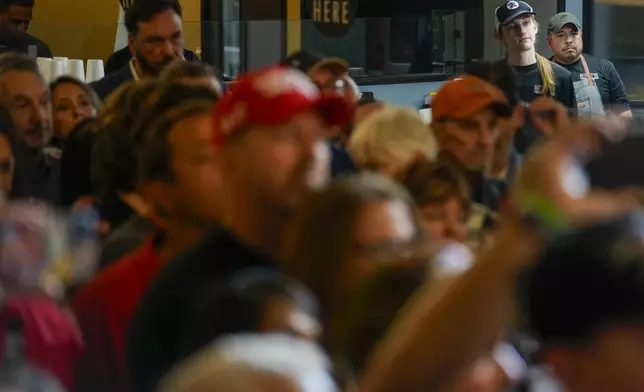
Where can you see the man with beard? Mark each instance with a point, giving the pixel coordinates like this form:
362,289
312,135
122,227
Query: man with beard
155,37
598,87
25,98
266,130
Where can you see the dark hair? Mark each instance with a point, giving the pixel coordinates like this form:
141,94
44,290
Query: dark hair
237,305
117,144
12,61
431,183
375,306
499,73
5,4
145,10
180,69
169,104
66,79
75,162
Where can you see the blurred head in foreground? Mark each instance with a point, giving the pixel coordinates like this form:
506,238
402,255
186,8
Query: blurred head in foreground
585,302
250,363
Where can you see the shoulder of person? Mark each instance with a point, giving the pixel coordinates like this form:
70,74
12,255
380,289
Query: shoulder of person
190,55
560,72
118,59
110,82
35,40
604,65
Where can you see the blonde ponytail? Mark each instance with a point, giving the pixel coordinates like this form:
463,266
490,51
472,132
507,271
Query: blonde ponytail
547,76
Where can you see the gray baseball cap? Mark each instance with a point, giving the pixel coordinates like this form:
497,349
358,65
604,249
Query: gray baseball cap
558,22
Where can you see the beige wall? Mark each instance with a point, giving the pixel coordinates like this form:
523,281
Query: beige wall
87,28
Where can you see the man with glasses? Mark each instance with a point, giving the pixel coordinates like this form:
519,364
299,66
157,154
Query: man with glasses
18,14
329,73
598,86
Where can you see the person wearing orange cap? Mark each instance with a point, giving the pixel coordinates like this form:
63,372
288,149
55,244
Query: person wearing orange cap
465,114
267,129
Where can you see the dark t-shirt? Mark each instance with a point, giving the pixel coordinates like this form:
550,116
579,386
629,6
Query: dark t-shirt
530,83
36,175
163,318
606,78
41,46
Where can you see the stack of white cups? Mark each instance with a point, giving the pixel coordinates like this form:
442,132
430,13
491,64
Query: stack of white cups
95,70
76,69
58,67
45,65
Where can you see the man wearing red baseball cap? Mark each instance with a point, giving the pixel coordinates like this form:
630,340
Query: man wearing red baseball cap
267,128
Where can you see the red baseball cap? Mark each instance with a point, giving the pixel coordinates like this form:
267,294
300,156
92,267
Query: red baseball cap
273,96
463,97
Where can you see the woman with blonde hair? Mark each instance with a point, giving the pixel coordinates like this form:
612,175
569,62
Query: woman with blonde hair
517,29
389,140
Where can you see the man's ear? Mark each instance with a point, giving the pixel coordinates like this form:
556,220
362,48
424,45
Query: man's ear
155,197
131,40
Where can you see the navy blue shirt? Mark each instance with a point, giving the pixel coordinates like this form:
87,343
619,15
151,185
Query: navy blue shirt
121,58
106,86
36,176
341,161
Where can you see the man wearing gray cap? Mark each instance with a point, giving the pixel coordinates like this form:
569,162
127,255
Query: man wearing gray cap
598,87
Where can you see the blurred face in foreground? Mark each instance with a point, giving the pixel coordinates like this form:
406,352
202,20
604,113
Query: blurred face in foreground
386,232
614,362
274,162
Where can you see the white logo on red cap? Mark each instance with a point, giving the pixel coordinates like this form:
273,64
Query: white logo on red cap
280,81
234,119
512,5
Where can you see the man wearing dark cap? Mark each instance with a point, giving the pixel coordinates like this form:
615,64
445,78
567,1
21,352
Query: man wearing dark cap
517,29
598,87
585,304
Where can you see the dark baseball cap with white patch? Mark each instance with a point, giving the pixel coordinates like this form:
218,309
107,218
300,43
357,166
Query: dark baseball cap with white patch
511,10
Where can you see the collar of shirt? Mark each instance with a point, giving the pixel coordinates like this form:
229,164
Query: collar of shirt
135,74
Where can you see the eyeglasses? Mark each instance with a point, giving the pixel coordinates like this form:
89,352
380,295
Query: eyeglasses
336,85
417,249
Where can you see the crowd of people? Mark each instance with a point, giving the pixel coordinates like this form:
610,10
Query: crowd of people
284,233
